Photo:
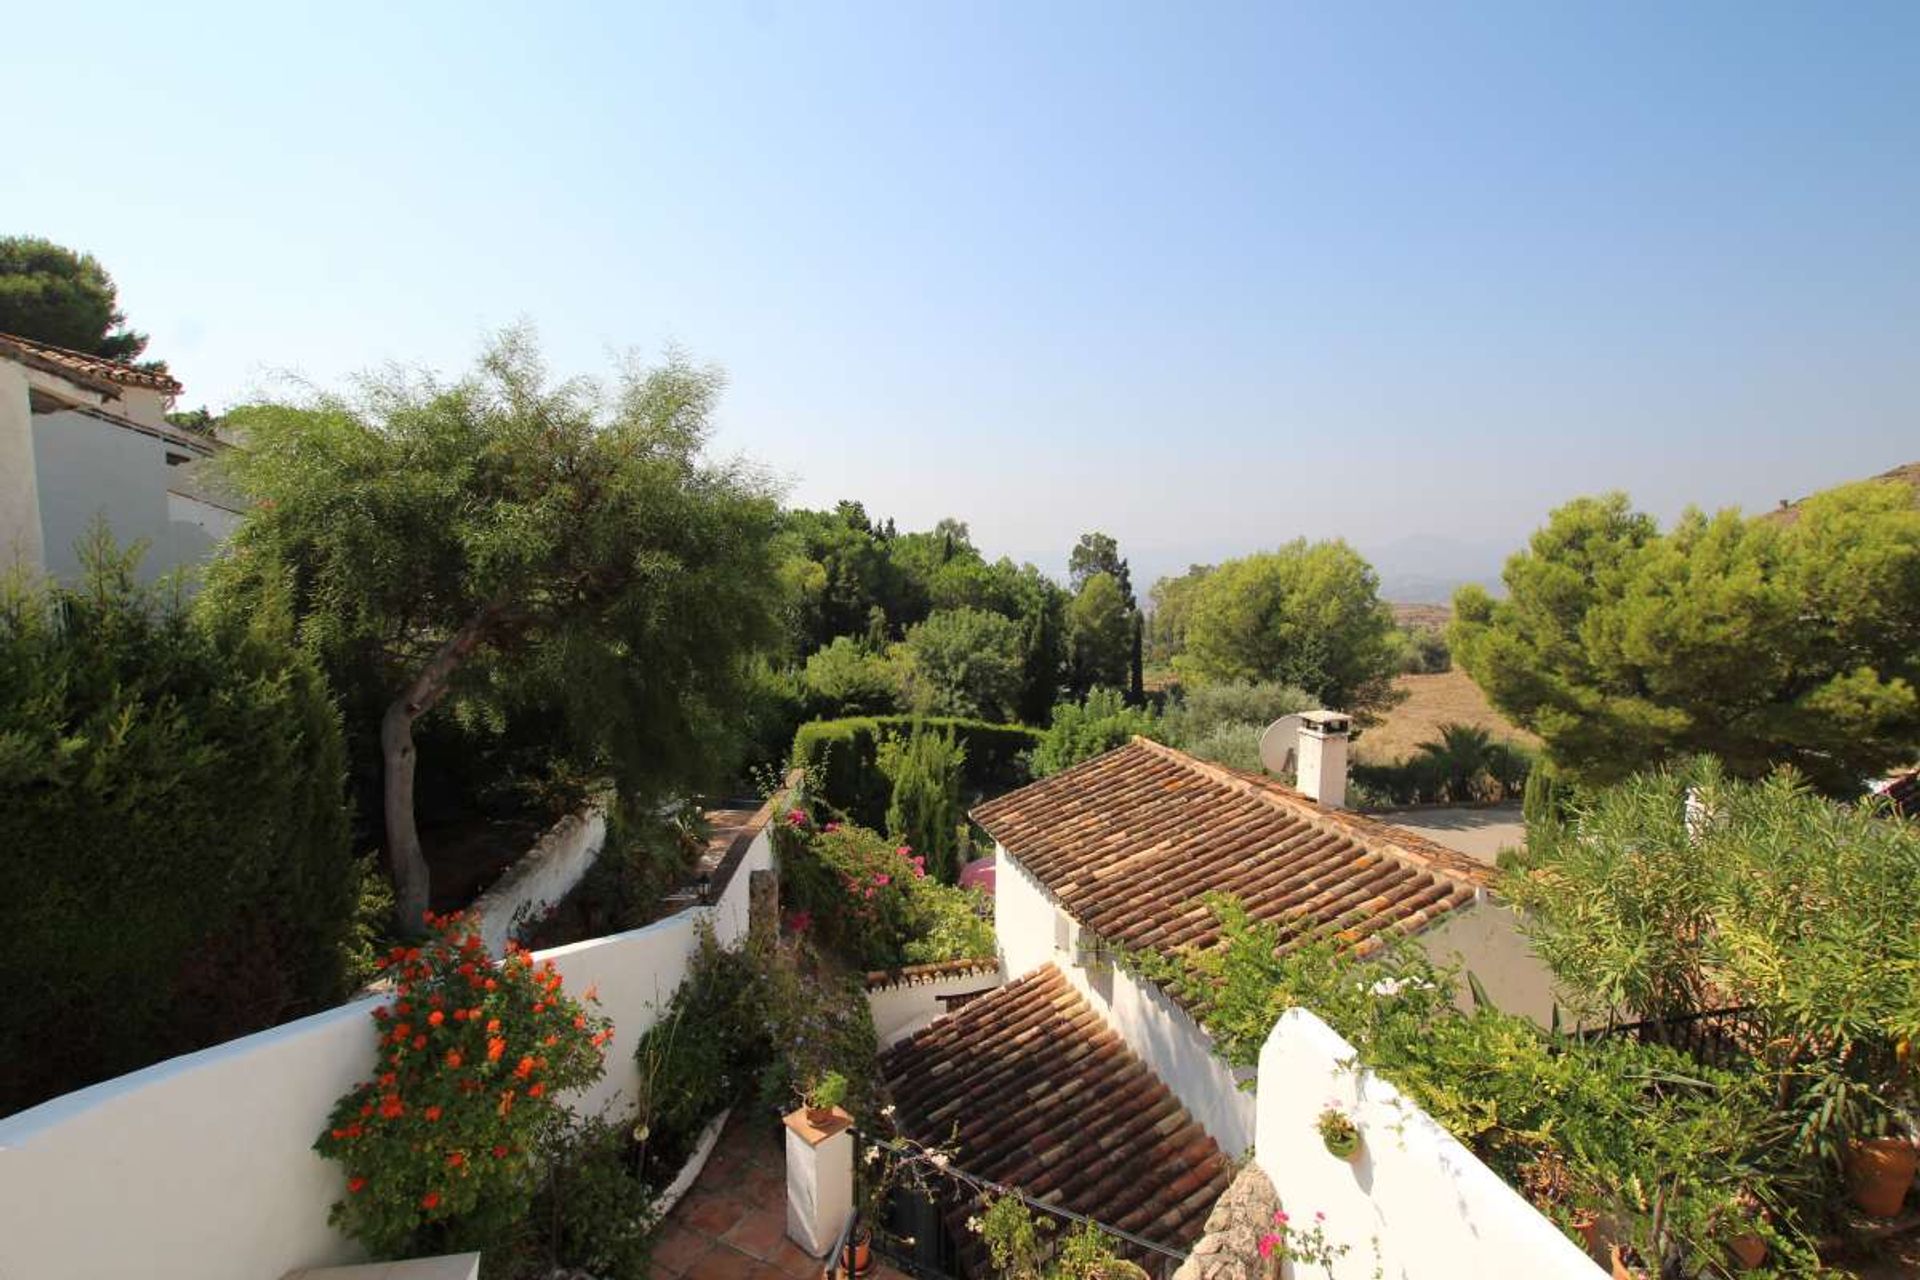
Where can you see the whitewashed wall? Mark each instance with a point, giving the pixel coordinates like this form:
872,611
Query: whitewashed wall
1436,1212
903,1008
1033,930
201,1167
540,877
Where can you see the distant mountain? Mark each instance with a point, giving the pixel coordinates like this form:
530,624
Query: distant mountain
1428,569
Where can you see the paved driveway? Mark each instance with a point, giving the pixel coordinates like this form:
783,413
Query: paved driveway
1480,833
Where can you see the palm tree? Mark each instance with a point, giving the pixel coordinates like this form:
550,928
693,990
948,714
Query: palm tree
1463,753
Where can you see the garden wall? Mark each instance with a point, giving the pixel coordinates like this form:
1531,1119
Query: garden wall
540,877
201,1167
1034,930
906,1000
1413,1192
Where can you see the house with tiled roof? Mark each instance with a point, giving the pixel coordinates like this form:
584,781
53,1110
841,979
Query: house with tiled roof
82,439
1085,1085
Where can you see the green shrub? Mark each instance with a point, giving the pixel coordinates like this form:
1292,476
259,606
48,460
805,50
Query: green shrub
173,840
1084,729
593,1213
1203,708
925,812
1235,744
842,758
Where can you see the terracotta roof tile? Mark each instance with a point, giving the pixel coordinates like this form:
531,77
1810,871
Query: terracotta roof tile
97,372
1029,1087
1132,840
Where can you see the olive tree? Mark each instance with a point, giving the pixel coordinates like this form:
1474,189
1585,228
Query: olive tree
566,541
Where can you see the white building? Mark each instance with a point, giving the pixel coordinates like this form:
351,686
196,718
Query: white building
84,439
1087,1085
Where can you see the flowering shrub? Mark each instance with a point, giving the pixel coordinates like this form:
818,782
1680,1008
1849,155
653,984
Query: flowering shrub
442,1145
871,900
1309,1246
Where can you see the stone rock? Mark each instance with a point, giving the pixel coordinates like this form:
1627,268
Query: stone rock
1229,1247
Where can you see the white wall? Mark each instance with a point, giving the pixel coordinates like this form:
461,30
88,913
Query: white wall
1031,928
1436,1211
1485,939
540,877
85,467
201,1167
902,1008
20,541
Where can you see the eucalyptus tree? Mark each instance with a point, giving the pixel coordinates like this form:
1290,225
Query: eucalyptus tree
562,549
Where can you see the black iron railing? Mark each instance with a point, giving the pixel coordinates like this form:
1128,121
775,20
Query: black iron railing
1716,1037
912,1232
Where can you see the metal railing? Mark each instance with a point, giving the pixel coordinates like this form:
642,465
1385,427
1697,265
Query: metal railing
914,1252
1713,1036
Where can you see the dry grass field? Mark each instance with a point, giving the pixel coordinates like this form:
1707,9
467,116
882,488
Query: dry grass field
1448,698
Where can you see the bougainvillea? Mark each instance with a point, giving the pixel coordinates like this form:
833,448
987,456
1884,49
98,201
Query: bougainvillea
870,899
441,1146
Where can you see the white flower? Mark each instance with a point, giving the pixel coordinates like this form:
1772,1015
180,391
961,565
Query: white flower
940,1159
975,1225
886,1112
871,1154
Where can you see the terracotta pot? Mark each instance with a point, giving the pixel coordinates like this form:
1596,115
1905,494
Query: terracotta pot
856,1259
1749,1250
1621,1269
822,1117
1588,1225
1879,1171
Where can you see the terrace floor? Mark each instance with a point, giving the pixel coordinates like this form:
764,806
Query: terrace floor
732,1224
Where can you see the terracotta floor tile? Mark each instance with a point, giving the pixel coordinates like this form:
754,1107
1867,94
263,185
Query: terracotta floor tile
796,1262
713,1214
676,1248
759,1233
722,1264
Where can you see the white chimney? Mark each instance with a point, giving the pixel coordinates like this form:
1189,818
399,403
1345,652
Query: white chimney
1322,769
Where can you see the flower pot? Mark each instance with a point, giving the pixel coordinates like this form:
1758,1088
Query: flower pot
1879,1171
823,1117
1749,1250
856,1259
1622,1269
1342,1146
1588,1225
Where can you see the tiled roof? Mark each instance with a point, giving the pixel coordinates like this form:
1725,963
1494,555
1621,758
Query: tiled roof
1130,841
92,371
1902,791
1028,1087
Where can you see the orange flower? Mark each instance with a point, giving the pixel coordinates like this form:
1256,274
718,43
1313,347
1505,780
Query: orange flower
492,985
455,1159
536,1089
506,1102
436,1018
500,1153
432,1113
493,1025
453,1058
495,1047
524,1068
356,1185
580,1023
419,1042
402,1031
430,1200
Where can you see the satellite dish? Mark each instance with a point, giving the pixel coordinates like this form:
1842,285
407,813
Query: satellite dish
1279,744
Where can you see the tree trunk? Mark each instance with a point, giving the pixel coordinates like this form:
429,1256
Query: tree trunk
410,878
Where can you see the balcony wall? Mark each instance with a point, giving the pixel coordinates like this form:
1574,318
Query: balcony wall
202,1168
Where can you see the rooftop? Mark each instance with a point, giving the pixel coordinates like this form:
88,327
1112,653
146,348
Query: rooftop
1028,1086
94,372
1131,841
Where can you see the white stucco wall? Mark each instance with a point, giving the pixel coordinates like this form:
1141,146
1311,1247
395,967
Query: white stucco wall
201,1167
1485,939
87,467
1436,1212
20,541
540,877
1033,930
908,1007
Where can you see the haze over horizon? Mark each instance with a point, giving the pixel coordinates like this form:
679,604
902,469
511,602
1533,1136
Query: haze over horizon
1206,280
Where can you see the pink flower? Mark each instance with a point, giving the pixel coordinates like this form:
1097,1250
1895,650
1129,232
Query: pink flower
797,817
882,878
905,851
1318,1216
831,827
800,921
1268,1243
1280,1216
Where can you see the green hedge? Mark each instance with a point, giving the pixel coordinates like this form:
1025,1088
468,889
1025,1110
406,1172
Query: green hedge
174,853
843,757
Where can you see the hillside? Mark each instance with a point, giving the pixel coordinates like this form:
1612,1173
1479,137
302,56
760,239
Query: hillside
1909,475
1450,697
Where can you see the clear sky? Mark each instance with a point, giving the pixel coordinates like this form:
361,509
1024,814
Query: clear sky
1206,277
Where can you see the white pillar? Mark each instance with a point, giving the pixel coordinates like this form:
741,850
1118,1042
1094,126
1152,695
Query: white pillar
819,1179
21,540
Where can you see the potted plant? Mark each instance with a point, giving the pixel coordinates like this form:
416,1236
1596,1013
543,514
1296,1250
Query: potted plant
1338,1132
823,1098
1748,1246
1879,1170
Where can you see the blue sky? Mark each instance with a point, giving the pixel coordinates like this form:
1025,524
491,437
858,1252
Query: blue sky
1206,277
